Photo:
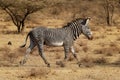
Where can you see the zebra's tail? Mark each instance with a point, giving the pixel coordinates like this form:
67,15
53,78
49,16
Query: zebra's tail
25,41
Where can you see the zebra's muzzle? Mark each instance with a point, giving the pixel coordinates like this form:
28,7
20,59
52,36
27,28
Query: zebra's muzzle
90,37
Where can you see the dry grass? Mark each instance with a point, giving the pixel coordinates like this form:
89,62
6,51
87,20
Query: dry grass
21,51
60,63
108,51
100,36
82,46
77,48
5,49
113,44
71,58
102,44
88,61
82,43
105,51
100,60
39,73
85,48
6,32
95,28
109,30
118,39
116,63
57,56
8,58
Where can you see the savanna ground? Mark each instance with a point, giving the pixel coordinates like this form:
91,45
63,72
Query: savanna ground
100,57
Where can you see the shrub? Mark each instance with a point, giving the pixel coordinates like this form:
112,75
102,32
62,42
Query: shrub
87,61
85,48
108,51
100,60
40,73
57,56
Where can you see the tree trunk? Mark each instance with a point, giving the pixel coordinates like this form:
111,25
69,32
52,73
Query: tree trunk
22,29
18,28
108,20
22,25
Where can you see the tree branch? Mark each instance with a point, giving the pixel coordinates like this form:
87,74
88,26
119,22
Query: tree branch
11,15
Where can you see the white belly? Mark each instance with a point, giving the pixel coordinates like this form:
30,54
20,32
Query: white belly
57,43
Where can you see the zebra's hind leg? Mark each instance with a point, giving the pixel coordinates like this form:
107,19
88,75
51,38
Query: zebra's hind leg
25,57
40,47
32,45
74,54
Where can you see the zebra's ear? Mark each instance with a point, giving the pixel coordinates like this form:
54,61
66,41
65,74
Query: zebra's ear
87,21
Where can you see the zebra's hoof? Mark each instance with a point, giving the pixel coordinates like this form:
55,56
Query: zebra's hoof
22,62
79,64
48,65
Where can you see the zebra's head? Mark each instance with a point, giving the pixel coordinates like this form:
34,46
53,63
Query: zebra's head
86,30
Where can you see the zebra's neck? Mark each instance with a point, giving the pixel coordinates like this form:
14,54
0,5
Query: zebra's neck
75,28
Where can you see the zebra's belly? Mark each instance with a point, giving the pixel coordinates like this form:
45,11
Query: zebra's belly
55,43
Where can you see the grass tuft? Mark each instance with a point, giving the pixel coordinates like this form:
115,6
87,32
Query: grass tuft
87,61
100,60
108,51
39,73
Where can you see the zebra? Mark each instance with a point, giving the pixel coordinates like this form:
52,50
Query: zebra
64,36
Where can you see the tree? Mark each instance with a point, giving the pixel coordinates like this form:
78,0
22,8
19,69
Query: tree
19,10
109,11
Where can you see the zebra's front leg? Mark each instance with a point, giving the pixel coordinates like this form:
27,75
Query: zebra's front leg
74,54
66,50
40,47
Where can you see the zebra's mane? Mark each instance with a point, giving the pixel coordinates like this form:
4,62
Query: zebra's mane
69,23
